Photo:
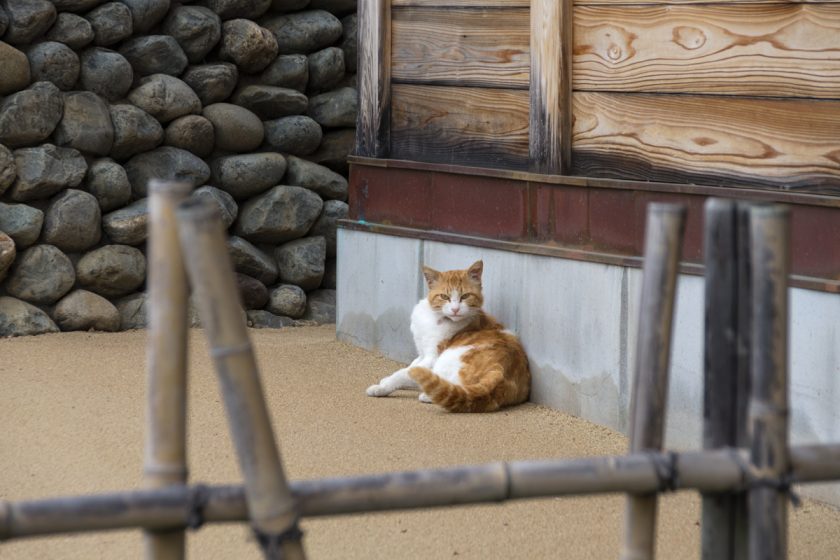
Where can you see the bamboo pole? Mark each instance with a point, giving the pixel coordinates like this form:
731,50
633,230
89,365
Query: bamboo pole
170,507
768,411
165,460
663,241
270,505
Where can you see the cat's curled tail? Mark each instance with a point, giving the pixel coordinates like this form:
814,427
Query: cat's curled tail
476,397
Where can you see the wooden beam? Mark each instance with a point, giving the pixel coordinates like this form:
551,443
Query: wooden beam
550,113
374,78
463,3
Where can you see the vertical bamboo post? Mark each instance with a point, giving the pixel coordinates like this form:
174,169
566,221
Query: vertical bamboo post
270,504
373,124
768,410
663,242
165,460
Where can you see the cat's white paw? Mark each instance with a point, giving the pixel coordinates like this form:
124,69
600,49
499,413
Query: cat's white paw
424,398
377,391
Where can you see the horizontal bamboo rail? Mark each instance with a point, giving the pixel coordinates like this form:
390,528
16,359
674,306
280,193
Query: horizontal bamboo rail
174,507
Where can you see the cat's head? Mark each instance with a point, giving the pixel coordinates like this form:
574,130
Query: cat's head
456,294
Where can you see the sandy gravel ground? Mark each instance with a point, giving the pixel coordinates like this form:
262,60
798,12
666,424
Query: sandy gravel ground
71,411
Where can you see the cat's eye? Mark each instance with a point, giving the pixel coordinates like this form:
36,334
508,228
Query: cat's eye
444,297
468,295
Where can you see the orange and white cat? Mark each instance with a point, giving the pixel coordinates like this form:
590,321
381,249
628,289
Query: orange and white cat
466,361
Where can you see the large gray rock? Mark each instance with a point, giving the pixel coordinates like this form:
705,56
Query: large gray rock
327,223
145,14
329,281
301,262
196,28
229,9
154,54
75,5
320,307
283,6
237,129
108,182
8,252
326,69
281,214
248,175
72,220
248,45
350,42
135,131
271,102
112,270
287,300
22,223
30,116
193,133
54,62
165,97
86,124
261,319
212,83
106,73
81,310
14,67
111,23
18,318
4,20
304,32
228,210
336,108
249,260
128,225
8,169
133,312
45,170
165,163
28,20
335,146
254,294
72,30
42,275
337,7
328,184
287,71
297,135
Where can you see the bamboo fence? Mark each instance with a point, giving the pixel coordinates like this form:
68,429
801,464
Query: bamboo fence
744,472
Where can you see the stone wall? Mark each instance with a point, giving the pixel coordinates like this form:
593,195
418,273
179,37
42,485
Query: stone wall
251,101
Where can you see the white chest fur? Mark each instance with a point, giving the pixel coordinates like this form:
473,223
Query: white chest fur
430,328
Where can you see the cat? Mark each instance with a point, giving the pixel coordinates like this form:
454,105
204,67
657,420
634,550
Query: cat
466,361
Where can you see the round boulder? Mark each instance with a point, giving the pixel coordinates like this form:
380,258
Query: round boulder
108,182
301,262
145,14
28,20
14,67
165,163
128,225
237,129
298,135
249,260
248,9
320,307
165,97
196,28
154,54
271,102
281,214
336,108
75,5
22,223
329,281
71,221
335,146
86,124
287,300
283,6
42,275
350,42
253,293
112,270
327,223
193,133
135,131
326,69
248,175
287,71
248,45
261,319
18,318
225,204
111,23
337,7
81,310
30,116
212,83
106,73
304,32
54,62
74,31
45,170
328,184
8,252
133,311
8,169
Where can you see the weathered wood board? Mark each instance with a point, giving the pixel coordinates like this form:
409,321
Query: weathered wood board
463,3
765,50
708,139
454,46
374,78
460,125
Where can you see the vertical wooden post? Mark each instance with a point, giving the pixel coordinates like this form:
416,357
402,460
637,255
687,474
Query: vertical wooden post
270,505
165,460
663,242
373,126
768,411
550,127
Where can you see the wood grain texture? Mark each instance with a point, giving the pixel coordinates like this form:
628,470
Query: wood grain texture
444,46
471,126
708,140
463,3
689,2
765,50
374,78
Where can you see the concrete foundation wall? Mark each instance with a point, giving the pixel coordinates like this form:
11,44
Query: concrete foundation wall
578,322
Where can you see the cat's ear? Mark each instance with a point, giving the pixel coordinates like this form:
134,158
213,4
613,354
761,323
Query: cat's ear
431,275
474,271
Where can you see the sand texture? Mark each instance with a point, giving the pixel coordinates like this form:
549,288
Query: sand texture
72,415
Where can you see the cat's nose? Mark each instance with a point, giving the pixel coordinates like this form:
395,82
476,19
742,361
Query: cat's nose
456,309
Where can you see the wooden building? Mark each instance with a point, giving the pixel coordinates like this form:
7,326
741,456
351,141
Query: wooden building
533,133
